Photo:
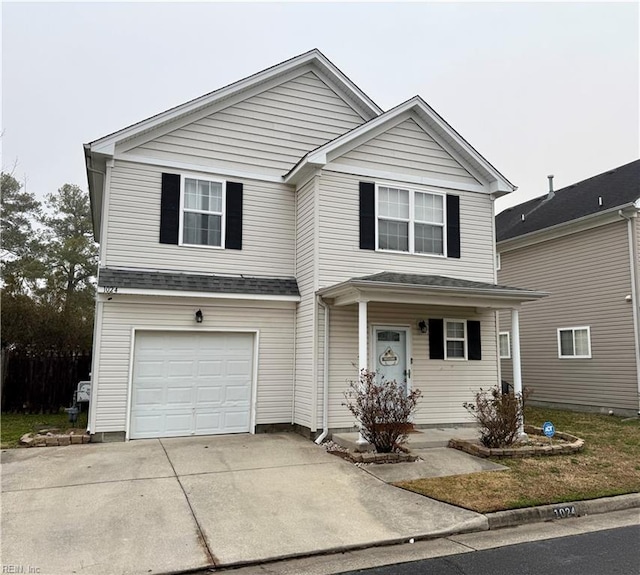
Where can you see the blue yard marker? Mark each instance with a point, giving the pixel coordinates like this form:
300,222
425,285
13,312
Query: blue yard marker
548,429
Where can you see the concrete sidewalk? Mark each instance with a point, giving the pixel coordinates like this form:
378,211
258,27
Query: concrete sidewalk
156,506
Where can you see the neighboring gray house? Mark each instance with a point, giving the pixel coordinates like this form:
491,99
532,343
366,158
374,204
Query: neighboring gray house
261,244
581,244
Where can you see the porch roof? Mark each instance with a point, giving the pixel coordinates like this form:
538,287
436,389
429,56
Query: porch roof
427,289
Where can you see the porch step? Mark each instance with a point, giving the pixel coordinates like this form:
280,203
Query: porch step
427,438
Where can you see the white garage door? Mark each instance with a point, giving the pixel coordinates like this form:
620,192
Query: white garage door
191,384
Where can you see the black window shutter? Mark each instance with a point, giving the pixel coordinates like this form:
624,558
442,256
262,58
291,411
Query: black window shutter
436,338
453,226
233,217
474,347
367,216
169,208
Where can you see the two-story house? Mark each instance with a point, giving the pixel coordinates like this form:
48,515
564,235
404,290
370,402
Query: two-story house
263,243
581,345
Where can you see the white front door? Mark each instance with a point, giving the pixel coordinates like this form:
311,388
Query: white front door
390,354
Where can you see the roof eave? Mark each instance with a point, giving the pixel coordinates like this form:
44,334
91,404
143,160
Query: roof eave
514,295
540,233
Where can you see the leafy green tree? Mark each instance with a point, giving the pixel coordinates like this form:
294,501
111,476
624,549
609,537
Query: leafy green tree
49,262
71,256
21,264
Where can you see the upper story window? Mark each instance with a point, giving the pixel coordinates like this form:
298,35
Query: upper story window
574,342
410,221
203,203
200,212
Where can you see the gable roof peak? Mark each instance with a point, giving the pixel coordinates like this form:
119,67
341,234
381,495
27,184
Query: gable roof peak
357,98
429,119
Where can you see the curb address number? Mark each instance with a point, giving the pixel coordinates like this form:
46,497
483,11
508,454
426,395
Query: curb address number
564,512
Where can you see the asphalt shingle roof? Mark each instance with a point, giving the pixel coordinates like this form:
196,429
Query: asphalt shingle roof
434,281
197,282
617,187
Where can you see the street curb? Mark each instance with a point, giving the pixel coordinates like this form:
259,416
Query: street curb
476,525
558,511
493,521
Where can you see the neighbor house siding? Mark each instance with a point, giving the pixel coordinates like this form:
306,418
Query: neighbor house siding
133,226
266,133
305,274
587,274
445,385
341,258
406,150
275,322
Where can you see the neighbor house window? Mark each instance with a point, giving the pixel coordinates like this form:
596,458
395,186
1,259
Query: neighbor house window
202,212
410,221
505,345
574,342
455,339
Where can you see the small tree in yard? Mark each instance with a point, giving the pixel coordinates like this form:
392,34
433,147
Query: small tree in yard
383,409
498,415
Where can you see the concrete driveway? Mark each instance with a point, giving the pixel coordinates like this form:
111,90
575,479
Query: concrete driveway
158,506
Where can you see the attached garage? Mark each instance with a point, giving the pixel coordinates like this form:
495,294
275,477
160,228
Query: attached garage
191,383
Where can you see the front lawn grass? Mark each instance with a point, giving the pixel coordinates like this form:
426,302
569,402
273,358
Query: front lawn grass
14,425
608,465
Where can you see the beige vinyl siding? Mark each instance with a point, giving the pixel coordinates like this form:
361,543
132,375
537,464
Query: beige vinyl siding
588,276
133,228
275,322
406,150
267,133
305,254
341,257
445,385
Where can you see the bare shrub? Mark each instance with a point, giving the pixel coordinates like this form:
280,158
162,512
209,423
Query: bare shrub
383,409
498,415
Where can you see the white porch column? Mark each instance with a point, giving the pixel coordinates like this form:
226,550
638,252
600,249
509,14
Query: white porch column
362,349
362,336
515,353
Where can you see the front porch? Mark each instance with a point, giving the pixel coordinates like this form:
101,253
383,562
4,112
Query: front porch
433,333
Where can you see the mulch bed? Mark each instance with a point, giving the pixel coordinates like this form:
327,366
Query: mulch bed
536,444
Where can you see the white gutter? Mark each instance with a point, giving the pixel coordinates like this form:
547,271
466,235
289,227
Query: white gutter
634,291
325,375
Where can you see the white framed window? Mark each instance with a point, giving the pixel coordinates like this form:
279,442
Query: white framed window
455,339
498,261
410,221
574,342
504,338
202,205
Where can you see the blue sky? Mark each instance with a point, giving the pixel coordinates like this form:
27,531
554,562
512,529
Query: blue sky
537,88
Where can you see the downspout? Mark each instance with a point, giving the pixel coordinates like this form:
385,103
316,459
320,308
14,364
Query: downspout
325,375
295,313
634,290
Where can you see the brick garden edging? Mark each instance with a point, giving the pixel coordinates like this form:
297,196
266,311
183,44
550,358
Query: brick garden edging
50,439
574,445
373,457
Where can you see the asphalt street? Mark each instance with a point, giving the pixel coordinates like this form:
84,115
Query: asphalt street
610,552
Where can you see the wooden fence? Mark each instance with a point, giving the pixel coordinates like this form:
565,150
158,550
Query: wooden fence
42,383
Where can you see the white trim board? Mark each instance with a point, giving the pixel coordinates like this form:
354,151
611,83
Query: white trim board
102,291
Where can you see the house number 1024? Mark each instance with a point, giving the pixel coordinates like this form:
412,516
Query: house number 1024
563,512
